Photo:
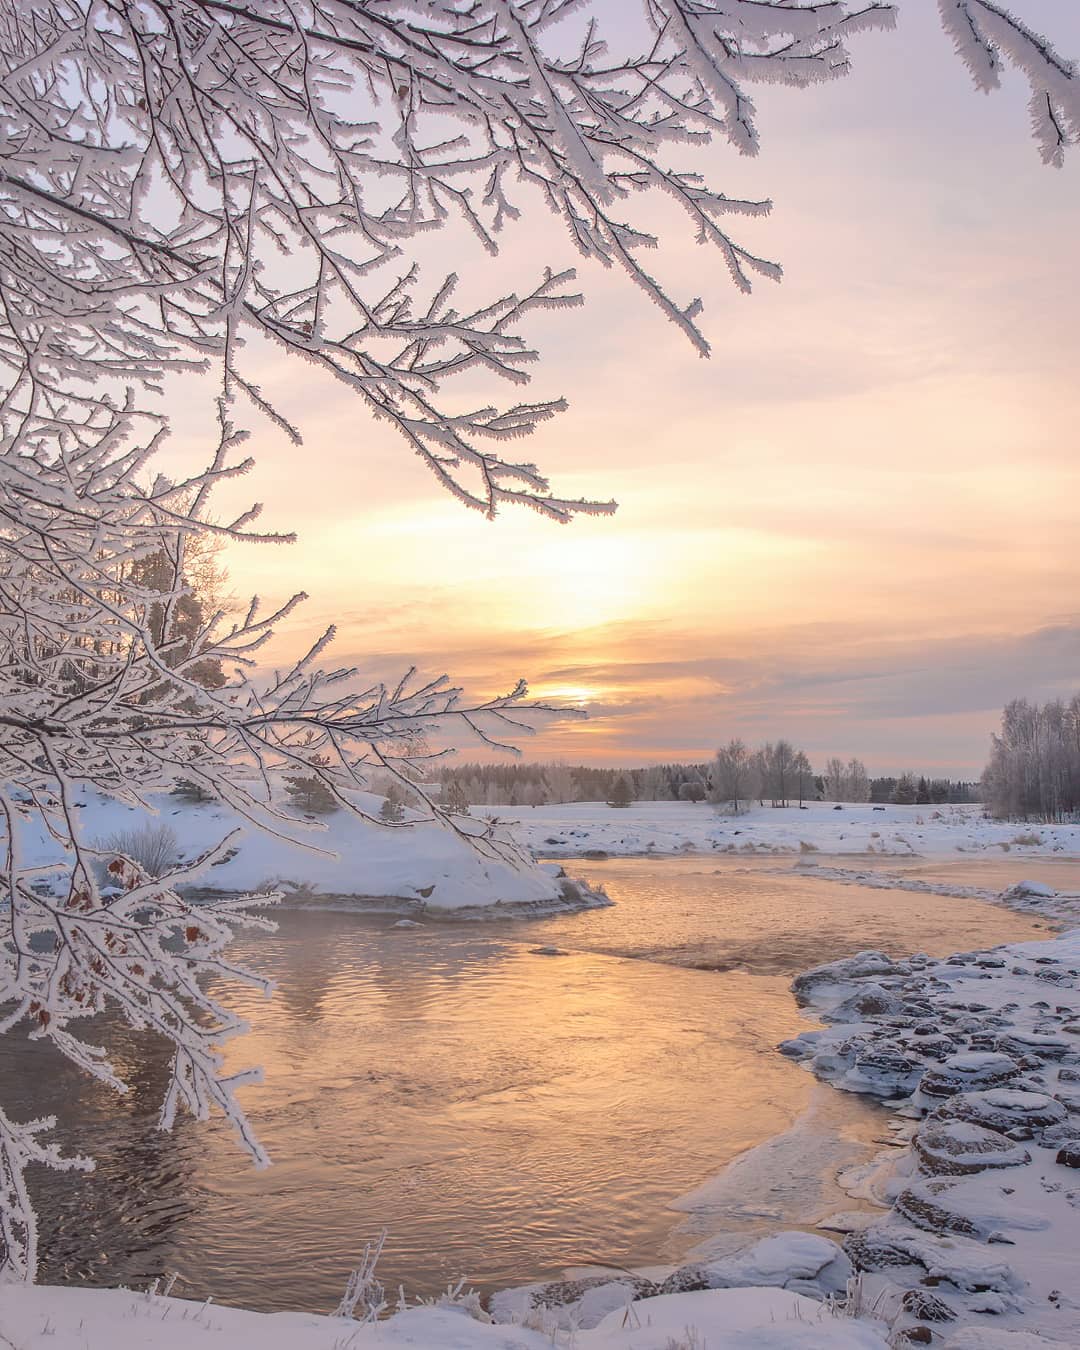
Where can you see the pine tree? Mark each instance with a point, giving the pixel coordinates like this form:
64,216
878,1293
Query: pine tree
906,790
311,795
621,793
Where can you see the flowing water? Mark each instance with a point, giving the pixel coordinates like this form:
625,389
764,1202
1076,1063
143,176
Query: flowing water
504,1114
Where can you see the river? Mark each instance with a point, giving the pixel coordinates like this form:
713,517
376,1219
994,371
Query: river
504,1114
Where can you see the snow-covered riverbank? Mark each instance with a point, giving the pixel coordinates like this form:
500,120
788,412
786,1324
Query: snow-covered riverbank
981,1055
580,828
730,1319
416,867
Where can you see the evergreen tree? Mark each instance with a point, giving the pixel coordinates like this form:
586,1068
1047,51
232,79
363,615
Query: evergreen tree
906,790
311,795
621,793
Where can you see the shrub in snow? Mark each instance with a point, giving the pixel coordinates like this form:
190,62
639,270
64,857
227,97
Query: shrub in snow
392,811
154,848
196,794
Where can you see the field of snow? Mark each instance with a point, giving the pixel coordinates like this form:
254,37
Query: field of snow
417,866
681,827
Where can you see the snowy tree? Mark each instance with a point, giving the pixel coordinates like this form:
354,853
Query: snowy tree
558,783
656,784
732,776
906,790
392,811
622,794
856,782
803,773
835,780
1034,767
310,794
185,184
454,798
779,767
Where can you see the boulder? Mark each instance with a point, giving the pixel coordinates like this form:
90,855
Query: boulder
958,1148
1001,1109
969,1071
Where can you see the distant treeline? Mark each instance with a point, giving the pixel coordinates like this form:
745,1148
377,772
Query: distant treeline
776,773
1034,768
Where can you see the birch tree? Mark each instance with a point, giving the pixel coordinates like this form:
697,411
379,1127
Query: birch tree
186,183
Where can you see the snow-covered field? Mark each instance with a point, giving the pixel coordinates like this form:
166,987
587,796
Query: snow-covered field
681,827
423,867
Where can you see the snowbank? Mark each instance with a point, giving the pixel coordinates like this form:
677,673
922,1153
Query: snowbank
417,867
806,1264
578,828
43,1318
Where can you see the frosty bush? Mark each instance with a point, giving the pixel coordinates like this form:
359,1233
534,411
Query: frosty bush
192,794
392,811
184,182
154,848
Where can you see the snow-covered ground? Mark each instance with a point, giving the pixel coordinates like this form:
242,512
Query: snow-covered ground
410,868
726,1319
681,827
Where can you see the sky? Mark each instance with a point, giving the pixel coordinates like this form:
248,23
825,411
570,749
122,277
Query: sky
855,526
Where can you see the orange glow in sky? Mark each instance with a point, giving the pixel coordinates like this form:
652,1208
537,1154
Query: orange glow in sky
855,526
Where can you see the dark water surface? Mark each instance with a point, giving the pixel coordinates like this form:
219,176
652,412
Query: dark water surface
503,1114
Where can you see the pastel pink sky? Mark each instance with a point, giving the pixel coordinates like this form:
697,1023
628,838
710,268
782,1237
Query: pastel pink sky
855,526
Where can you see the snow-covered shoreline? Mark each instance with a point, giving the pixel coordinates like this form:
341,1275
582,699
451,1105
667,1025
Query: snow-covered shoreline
47,1318
980,1055
656,829
339,860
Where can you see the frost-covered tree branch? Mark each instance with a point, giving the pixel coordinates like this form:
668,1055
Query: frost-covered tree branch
112,681
182,180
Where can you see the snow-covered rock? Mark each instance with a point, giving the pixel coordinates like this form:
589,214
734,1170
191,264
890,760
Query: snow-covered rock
984,1216
804,1263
